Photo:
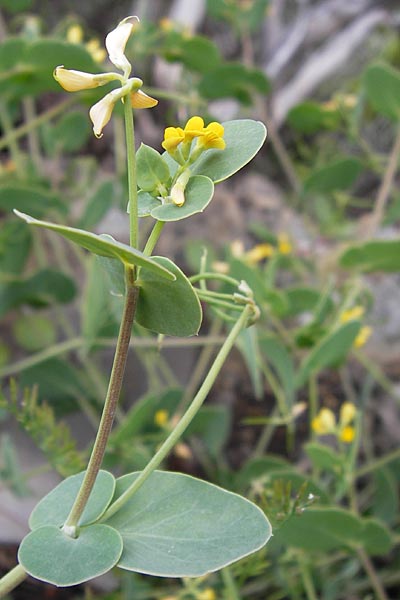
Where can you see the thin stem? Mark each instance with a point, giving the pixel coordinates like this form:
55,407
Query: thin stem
384,189
132,182
229,584
214,277
18,132
33,138
191,412
153,238
110,406
377,464
372,574
11,580
307,580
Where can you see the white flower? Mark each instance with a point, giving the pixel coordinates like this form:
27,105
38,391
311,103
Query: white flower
115,43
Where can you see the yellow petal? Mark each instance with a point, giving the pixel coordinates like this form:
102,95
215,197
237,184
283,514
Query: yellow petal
115,43
324,422
352,314
141,100
259,252
101,112
193,128
74,81
161,417
284,244
173,136
347,413
347,434
362,336
75,34
215,128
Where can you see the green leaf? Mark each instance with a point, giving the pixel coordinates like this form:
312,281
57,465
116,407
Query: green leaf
329,351
22,197
196,53
198,195
71,132
146,203
102,245
234,80
15,245
327,529
304,299
339,175
152,170
34,332
385,498
178,526
378,255
323,457
248,344
212,425
98,205
310,117
243,138
50,555
44,288
55,507
382,85
95,309
282,363
171,308
256,468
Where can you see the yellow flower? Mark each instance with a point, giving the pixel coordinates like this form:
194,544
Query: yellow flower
362,336
75,34
347,413
324,422
207,594
212,137
166,24
284,244
193,128
73,81
173,136
96,51
259,252
347,434
161,418
352,314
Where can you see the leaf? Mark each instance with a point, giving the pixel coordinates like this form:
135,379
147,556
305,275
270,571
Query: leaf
171,308
98,205
234,80
198,195
55,507
102,245
378,255
44,288
22,197
212,425
382,85
146,203
248,345
152,170
385,498
323,457
256,468
243,138
310,117
178,526
50,555
328,529
15,245
34,332
71,132
339,175
304,299
329,351
277,355
196,53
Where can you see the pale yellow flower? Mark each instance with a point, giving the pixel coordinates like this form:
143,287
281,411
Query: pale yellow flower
259,252
161,417
363,336
75,81
347,434
116,41
75,34
324,422
284,244
207,594
347,413
352,314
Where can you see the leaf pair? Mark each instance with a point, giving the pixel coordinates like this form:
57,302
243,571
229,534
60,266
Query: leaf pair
174,526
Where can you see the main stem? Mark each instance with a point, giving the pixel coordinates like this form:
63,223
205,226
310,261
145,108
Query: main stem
187,417
132,179
110,406
11,580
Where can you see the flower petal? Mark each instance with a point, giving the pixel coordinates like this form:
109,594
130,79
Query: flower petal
173,136
101,112
74,81
115,43
141,100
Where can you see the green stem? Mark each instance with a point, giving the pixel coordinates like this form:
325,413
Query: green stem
191,412
33,138
8,127
229,584
11,580
132,181
215,277
18,132
307,580
378,463
372,574
153,238
110,406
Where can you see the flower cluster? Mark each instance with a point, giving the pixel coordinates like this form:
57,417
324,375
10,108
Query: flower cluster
325,423
261,251
100,113
207,137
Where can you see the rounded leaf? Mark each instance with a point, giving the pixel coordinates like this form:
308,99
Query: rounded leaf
168,307
34,332
179,526
198,194
54,508
50,555
382,84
